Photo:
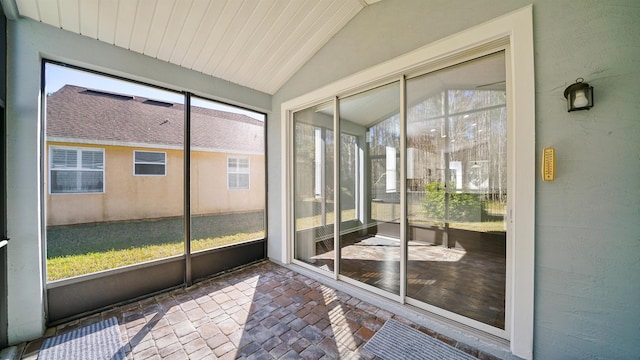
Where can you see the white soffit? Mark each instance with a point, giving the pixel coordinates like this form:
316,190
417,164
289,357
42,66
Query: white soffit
259,44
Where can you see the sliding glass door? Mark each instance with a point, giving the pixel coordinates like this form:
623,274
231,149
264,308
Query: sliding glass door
3,234
370,173
314,186
420,192
457,189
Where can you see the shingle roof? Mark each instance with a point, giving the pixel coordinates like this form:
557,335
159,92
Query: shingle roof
79,113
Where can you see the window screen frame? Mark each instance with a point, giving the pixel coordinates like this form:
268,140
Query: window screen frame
238,172
79,150
148,163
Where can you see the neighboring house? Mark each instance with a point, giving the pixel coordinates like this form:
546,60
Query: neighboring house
117,157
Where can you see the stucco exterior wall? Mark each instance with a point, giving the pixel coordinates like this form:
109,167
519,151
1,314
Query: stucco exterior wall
130,197
587,251
210,191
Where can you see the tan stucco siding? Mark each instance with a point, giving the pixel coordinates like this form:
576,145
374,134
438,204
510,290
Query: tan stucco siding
209,188
129,197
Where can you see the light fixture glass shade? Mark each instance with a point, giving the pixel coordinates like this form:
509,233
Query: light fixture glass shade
580,99
579,96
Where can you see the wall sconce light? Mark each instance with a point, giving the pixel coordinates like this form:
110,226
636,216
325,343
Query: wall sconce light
579,96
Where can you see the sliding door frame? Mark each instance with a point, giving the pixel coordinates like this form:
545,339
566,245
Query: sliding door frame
513,32
3,185
398,297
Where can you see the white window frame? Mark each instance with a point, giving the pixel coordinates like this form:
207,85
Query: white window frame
79,150
238,172
149,163
516,30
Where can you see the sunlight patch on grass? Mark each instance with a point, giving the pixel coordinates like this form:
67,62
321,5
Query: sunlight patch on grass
210,243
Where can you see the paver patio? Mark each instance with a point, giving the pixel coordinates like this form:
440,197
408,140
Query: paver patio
264,311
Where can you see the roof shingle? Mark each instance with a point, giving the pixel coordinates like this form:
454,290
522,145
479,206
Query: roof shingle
75,112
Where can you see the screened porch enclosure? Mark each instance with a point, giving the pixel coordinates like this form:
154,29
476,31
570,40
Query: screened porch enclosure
145,189
421,203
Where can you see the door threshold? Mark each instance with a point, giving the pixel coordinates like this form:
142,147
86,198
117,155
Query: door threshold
484,342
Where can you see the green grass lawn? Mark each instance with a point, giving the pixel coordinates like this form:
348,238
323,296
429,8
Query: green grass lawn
87,248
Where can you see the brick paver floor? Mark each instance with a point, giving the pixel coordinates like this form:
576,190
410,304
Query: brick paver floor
264,311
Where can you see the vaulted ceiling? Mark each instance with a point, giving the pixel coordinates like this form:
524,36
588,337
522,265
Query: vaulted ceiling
259,44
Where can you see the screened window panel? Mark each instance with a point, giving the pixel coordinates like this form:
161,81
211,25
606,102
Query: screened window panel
227,175
95,203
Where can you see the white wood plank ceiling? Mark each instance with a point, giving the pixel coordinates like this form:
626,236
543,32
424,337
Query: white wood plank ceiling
259,44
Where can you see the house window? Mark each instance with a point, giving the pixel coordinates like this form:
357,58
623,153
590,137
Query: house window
148,163
238,173
76,170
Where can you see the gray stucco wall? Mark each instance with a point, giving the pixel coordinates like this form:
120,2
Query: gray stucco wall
28,43
587,233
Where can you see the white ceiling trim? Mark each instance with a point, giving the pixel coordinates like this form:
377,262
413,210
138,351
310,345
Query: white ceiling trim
259,44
